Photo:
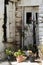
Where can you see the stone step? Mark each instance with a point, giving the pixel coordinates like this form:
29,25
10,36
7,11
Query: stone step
25,63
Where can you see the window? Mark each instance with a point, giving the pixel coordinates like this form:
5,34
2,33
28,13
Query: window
28,17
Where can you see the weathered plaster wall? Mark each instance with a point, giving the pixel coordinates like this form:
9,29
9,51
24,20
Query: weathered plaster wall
41,23
1,29
29,2
10,22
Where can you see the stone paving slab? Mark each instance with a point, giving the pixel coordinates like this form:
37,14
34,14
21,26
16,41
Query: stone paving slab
25,63
4,63
22,63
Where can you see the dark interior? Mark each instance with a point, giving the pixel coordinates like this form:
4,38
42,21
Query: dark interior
28,17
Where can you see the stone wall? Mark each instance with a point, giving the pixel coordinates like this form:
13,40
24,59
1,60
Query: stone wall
18,27
1,29
41,24
29,2
10,22
14,24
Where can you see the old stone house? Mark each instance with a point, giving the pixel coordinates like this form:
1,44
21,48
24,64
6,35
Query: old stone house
15,17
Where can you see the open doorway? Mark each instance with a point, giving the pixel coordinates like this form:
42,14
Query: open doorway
5,21
28,39
30,34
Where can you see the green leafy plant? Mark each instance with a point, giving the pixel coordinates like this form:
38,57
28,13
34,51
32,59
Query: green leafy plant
19,53
9,51
20,56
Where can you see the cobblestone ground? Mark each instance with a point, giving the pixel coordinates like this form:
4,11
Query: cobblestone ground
4,63
22,63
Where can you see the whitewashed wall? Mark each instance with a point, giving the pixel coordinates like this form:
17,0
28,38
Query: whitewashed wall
29,2
10,22
41,23
1,29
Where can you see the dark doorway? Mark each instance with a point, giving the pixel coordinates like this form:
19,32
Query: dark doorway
28,17
5,21
33,23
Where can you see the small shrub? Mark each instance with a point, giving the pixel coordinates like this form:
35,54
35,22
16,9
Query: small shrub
9,54
18,53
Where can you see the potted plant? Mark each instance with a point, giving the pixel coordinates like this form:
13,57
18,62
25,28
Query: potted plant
9,54
20,56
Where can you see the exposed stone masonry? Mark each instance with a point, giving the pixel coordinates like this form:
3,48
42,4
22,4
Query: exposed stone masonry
41,24
18,24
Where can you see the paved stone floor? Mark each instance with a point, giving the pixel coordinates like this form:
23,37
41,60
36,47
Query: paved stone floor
22,63
4,63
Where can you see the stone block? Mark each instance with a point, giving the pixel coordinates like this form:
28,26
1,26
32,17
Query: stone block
17,34
18,24
19,15
18,19
2,56
10,39
17,38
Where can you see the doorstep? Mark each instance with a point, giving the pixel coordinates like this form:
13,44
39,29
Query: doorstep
22,63
4,63
26,63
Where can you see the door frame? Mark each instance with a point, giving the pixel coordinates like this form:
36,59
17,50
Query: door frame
33,10
26,9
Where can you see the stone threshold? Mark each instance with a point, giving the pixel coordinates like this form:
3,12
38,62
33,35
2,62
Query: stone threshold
27,62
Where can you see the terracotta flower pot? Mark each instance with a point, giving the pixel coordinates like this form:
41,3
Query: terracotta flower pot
20,58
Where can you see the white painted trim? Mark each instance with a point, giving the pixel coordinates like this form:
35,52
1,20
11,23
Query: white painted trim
30,9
